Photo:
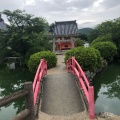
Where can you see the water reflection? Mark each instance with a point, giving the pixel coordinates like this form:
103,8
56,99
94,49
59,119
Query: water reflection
11,65
12,80
107,90
113,89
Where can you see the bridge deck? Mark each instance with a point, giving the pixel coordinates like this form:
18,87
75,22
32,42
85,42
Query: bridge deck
61,95
60,92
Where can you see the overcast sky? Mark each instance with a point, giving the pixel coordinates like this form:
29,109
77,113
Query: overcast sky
88,13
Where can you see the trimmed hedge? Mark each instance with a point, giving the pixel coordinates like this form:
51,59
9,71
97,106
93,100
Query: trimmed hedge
88,58
35,60
107,50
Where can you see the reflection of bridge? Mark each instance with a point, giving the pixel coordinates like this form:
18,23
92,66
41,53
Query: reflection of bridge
61,94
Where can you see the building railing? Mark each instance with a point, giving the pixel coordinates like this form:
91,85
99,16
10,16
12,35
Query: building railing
30,92
73,67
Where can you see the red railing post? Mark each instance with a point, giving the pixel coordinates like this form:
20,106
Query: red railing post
91,102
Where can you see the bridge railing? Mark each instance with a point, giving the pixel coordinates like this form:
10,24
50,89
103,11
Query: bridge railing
73,67
30,92
41,72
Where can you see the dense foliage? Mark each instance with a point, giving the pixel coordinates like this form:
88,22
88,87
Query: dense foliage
88,58
107,50
35,60
85,31
83,36
110,28
80,42
103,38
24,32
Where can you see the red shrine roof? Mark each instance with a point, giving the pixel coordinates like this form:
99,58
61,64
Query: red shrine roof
65,28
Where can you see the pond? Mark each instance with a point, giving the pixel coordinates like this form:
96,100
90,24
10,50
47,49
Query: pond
12,80
107,90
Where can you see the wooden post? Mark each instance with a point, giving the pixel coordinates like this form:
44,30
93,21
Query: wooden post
30,100
54,45
22,115
71,39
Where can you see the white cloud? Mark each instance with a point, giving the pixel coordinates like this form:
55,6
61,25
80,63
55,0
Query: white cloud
47,0
69,1
30,2
97,3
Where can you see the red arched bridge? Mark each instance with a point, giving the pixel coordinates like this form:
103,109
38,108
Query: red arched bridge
61,94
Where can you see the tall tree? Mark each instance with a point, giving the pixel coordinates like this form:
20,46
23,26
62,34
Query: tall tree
108,28
21,29
24,33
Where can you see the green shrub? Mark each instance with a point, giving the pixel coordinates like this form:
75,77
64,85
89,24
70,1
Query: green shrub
107,50
88,58
35,60
103,38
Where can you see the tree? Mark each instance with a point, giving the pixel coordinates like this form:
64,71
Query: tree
102,29
107,50
80,42
112,28
52,27
93,35
40,43
21,29
24,32
102,38
83,37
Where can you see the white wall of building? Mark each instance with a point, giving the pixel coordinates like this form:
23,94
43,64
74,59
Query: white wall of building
86,45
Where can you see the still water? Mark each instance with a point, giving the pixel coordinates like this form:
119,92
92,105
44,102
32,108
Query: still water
107,90
12,80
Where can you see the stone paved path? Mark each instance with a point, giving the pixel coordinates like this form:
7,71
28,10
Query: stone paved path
60,94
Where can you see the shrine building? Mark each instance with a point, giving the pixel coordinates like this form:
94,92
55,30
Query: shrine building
64,35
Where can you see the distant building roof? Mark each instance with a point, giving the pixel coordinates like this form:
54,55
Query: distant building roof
65,28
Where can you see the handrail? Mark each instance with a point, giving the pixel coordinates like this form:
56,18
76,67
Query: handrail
73,67
28,113
10,98
41,72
